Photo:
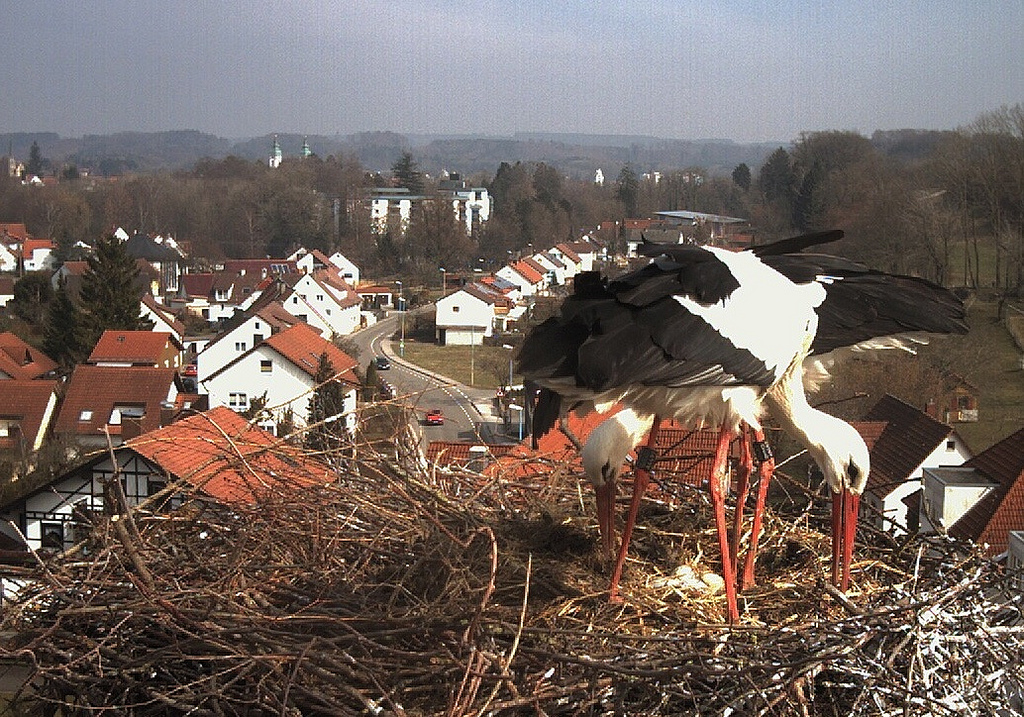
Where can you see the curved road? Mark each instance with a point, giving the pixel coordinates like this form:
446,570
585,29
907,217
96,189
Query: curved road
464,407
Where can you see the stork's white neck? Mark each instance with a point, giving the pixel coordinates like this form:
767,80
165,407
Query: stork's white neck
834,444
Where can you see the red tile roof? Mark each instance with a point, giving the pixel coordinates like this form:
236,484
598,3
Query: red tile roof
569,252
909,438
93,391
14,230
1002,510
302,345
685,455
197,284
870,431
142,348
26,401
528,272
226,458
28,246
19,360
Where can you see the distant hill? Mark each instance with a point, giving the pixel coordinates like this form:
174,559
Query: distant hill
577,155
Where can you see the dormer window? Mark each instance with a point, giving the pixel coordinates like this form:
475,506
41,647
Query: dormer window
85,415
125,410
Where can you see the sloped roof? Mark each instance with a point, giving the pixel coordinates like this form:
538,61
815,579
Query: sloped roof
870,431
25,401
197,284
28,246
992,518
166,314
528,272
302,345
535,265
909,437
258,266
15,230
6,285
137,347
19,360
96,389
142,246
222,455
684,455
485,293
569,252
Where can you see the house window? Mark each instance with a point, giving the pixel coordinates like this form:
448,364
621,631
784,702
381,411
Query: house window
238,400
257,326
295,299
319,297
963,403
7,428
125,410
266,366
257,339
239,346
950,445
85,415
52,535
455,309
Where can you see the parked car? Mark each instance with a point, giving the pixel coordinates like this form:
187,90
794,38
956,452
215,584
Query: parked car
435,417
191,370
382,363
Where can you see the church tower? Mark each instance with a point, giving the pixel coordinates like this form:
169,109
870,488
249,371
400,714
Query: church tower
275,154
305,148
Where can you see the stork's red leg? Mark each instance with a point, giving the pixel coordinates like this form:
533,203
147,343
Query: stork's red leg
765,470
745,468
845,506
718,485
606,517
641,480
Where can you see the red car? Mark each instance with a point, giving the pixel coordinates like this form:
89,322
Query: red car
191,370
435,417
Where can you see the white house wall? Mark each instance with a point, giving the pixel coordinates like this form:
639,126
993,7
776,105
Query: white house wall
286,385
514,277
894,512
230,346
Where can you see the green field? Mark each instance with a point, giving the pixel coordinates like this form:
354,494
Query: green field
479,366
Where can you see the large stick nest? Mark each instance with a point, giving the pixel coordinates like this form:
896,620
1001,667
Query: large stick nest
426,592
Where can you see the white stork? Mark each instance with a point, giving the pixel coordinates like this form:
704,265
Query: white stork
712,337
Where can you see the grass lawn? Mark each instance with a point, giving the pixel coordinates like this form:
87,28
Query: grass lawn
990,360
479,366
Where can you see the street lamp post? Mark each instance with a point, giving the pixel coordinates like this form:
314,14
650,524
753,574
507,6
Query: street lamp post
401,309
511,405
510,350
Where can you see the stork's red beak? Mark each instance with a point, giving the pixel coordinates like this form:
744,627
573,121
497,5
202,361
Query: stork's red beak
845,506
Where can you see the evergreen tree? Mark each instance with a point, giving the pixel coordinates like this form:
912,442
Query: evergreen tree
326,402
63,337
35,160
741,176
407,173
628,190
111,290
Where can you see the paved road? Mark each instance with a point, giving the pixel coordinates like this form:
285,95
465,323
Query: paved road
465,408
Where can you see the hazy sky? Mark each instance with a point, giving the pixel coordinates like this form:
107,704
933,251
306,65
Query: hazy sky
745,71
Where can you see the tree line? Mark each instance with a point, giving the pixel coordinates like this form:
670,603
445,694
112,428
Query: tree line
952,209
